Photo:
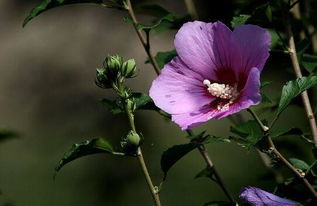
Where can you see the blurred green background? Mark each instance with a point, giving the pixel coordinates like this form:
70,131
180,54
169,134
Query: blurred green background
49,97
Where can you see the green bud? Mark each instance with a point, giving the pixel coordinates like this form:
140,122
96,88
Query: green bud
113,65
128,69
102,79
133,138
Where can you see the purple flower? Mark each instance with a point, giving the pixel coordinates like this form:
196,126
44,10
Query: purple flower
216,73
257,197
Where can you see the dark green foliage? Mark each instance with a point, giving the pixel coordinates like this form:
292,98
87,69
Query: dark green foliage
173,154
299,164
142,102
163,58
293,88
207,172
291,131
309,62
238,20
249,132
50,4
6,134
88,147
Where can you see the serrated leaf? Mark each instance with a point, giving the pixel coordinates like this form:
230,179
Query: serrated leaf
88,147
309,62
291,131
238,20
292,89
250,131
163,58
50,4
174,154
299,164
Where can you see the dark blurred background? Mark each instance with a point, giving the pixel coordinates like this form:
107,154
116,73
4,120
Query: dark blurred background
49,98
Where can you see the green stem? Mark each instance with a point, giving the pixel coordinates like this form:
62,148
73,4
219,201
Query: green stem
153,189
281,158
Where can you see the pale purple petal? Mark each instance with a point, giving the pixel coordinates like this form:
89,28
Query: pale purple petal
250,95
194,44
193,119
257,197
178,90
251,45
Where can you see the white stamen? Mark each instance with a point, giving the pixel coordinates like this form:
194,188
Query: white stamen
223,91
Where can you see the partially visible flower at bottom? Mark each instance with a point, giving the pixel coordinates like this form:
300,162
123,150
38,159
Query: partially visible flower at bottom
216,73
257,197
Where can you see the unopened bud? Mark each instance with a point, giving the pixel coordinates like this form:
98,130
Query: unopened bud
133,138
102,79
113,65
128,69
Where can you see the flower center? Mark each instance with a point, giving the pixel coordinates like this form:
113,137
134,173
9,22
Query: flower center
224,92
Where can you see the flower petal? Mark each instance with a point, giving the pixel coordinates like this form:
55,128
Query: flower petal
178,89
193,119
251,45
195,43
250,95
257,197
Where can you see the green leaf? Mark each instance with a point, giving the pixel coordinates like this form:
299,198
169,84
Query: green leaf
292,89
112,106
299,164
291,131
268,13
152,10
163,58
309,62
250,131
207,172
168,18
141,100
238,20
50,4
88,147
173,154
6,134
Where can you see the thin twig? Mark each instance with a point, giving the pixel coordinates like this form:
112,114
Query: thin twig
298,73
143,40
274,150
153,190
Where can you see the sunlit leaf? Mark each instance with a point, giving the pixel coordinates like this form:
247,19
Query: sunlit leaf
50,4
293,88
88,147
173,154
299,164
238,20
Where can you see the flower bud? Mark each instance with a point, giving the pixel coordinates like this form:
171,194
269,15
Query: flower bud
102,79
128,69
113,65
133,138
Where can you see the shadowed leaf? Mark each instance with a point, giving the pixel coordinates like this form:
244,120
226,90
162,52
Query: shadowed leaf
163,58
291,131
238,20
299,164
88,147
173,154
50,4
